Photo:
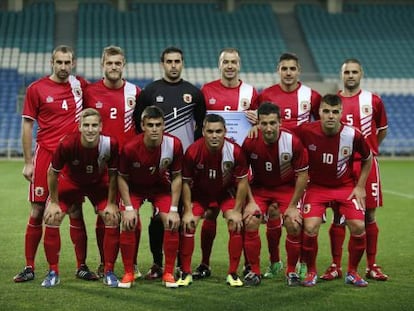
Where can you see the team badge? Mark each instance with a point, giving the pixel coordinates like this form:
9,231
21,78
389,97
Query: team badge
130,102
312,147
49,99
200,166
165,163
77,91
212,101
39,191
159,99
346,151
306,208
366,109
254,156
305,105
187,98
98,105
285,157
75,162
245,103
227,166
136,164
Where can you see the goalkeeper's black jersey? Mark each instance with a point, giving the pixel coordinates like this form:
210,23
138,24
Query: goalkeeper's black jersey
183,106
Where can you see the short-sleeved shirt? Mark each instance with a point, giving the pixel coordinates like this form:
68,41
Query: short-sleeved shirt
331,157
366,112
275,164
115,106
213,175
296,107
150,169
220,97
83,165
55,106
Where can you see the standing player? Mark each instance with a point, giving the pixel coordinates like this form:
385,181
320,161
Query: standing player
79,168
184,110
229,93
55,103
150,167
331,147
214,171
365,111
115,99
298,104
279,165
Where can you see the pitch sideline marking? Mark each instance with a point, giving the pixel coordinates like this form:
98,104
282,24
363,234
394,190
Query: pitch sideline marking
399,194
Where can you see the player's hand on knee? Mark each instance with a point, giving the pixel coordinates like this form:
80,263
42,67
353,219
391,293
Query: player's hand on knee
110,215
172,221
53,214
234,220
129,220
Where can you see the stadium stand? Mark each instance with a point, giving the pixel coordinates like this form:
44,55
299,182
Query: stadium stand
381,36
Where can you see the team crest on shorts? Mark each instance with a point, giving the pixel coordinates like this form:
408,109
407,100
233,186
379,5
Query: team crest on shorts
49,99
245,103
187,98
98,105
39,191
366,109
306,208
305,105
130,102
212,101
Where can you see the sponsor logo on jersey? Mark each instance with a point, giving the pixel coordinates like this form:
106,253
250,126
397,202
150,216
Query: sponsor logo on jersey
159,99
245,103
285,157
49,99
131,102
212,101
312,147
188,98
99,105
305,105
39,191
345,151
367,109
306,208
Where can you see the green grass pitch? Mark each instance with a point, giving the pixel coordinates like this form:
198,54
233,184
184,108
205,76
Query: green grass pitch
396,256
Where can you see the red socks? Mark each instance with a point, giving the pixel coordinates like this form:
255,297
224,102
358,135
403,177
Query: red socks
208,234
34,231
273,234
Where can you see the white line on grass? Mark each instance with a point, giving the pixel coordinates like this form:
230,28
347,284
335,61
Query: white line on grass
399,194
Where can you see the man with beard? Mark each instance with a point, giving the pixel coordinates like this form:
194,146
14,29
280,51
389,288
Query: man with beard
184,110
55,103
115,99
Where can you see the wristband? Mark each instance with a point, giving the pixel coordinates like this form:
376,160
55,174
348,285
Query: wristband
129,208
173,208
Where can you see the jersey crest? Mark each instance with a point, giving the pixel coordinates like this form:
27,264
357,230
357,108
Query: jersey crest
187,98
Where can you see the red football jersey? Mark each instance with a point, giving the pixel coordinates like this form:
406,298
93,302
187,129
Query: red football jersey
212,175
85,165
296,107
55,106
219,97
366,112
331,157
115,106
275,164
146,168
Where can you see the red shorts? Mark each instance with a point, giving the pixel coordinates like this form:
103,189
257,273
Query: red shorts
264,197
200,205
71,193
317,198
38,189
373,186
160,200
